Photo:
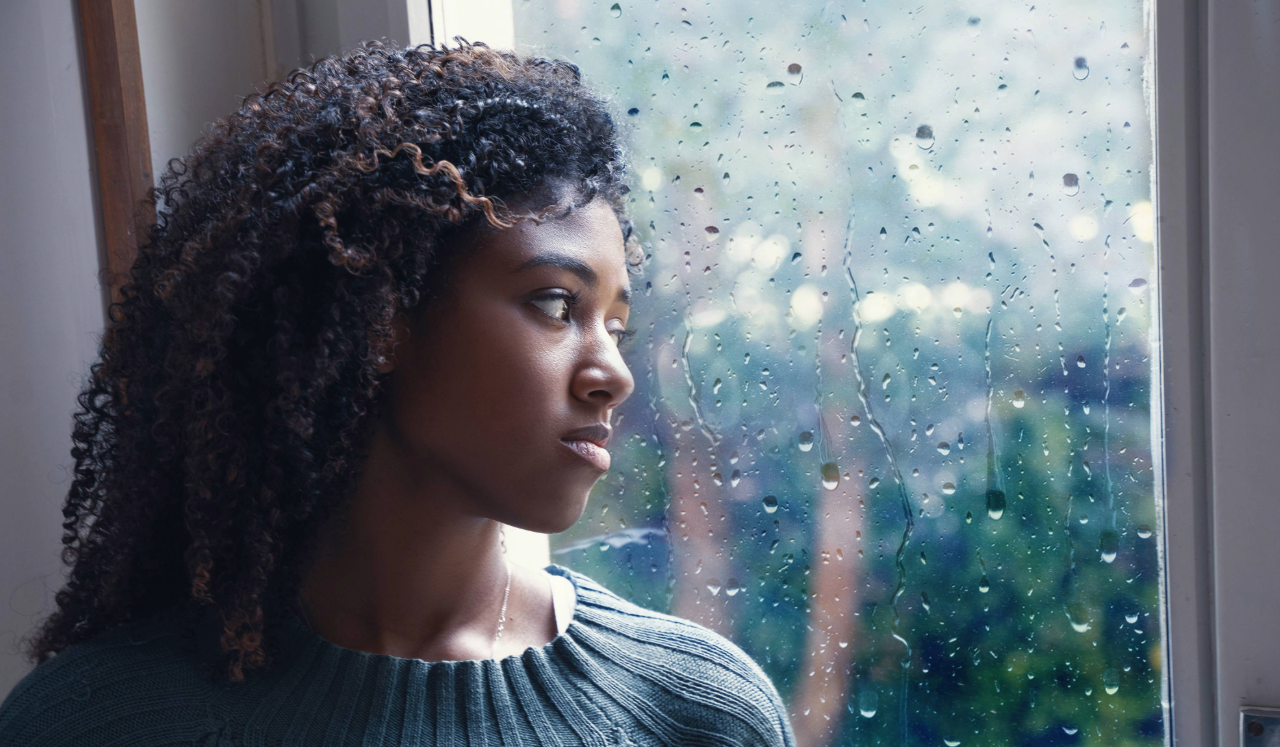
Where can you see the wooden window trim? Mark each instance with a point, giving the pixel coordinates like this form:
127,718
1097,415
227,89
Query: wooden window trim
122,146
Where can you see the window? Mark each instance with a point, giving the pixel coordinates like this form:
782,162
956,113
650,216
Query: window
893,424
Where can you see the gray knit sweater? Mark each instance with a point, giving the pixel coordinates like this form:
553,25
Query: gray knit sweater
619,675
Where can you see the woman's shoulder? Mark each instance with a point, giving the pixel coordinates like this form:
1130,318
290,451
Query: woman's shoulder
135,672
698,672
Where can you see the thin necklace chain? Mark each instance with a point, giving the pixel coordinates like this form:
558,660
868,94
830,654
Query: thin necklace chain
502,615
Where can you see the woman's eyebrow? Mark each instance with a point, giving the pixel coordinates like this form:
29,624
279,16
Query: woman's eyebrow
574,265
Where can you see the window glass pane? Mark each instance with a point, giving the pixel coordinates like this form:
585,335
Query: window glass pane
892,431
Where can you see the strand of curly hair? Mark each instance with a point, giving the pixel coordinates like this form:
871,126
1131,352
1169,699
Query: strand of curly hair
228,414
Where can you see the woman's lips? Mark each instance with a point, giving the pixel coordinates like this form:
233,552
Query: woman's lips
595,455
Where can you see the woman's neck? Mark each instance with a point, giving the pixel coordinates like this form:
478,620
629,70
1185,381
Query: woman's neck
407,573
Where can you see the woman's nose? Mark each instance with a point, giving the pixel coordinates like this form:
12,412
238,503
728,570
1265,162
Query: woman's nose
605,379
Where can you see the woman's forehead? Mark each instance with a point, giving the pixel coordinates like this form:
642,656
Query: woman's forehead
589,235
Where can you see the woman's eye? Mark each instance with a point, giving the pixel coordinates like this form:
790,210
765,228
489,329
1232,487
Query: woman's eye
556,303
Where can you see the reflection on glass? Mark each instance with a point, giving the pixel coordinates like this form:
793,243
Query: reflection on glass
892,428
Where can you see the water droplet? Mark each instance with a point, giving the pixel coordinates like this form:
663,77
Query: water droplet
806,440
957,311
855,421
944,448
793,69
995,503
732,588
1109,545
948,488
1071,184
951,742
1131,618
924,600
1137,286
1069,730
858,97
1111,681
633,111
924,136
1080,69
713,586
735,478
830,475
875,483
1120,314
1019,399
968,517
712,230
770,503
983,584
868,701
883,233
1079,617
775,87
884,383
695,125
1144,531
616,10
1080,361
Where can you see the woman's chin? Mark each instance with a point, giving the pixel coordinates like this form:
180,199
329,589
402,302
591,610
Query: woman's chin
553,516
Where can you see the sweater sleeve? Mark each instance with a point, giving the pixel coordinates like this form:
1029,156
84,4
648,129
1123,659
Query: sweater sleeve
130,685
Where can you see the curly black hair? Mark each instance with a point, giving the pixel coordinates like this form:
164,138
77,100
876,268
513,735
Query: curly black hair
229,413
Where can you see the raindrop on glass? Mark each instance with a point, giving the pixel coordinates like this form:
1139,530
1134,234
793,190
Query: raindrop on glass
775,87
1078,616
868,702
1071,184
633,111
1069,730
770,503
616,10
944,448
794,68
1111,681
995,503
1137,286
1019,399
806,440
924,136
1080,69
1080,361
1144,531
983,584
1131,618
712,230
830,475
874,483
1109,545
948,488
713,586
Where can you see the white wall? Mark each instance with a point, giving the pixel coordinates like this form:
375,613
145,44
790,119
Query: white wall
199,59
51,304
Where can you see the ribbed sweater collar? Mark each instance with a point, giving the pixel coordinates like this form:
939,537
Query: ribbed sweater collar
326,691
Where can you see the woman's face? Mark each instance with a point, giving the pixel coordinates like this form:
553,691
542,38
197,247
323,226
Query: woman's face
498,373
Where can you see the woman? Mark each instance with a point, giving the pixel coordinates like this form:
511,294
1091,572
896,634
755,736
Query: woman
377,318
